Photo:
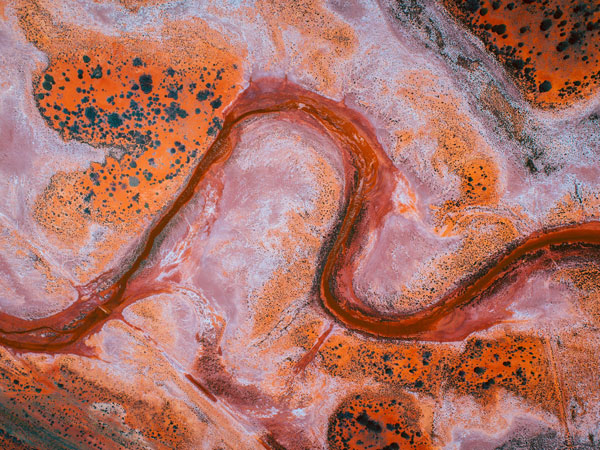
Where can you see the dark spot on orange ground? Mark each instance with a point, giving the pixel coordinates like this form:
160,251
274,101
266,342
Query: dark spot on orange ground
57,406
377,421
412,366
551,47
478,182
516,363
8,442
150,111
138,95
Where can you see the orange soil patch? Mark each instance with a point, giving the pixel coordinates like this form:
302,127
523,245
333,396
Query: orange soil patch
163,119
411,366
586,280
517,363
320,27
552,48
158,103
369,421
461,149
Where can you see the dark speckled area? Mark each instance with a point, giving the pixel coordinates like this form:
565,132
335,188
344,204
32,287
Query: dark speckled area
551,47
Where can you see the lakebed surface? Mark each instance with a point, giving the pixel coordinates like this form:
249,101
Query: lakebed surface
308,224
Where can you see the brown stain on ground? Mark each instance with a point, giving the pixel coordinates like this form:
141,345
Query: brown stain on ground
512,119
136,5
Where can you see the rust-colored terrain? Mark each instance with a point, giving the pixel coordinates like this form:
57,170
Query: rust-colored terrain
551,48
336,224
